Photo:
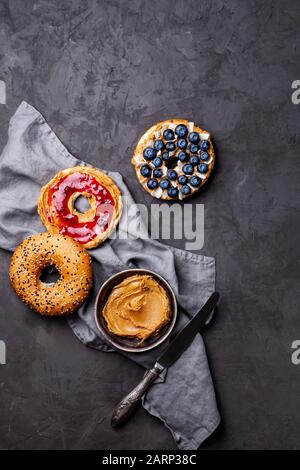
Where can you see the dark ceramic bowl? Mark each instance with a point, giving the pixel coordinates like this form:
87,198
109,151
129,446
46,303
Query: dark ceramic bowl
128,344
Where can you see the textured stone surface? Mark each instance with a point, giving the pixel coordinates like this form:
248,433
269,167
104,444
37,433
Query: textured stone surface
102,73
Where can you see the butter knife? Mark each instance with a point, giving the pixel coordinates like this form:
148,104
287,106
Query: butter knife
179,344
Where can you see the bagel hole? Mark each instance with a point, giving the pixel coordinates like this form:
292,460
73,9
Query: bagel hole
49,275
171,163
82,205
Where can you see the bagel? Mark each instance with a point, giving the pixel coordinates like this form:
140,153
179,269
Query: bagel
72,262
56,205
174,159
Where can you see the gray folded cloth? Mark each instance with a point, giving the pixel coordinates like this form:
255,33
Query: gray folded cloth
182,397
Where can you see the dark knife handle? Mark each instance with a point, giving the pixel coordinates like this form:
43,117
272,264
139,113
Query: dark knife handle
127,406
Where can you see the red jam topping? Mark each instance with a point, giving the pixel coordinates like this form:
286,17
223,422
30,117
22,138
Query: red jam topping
58,198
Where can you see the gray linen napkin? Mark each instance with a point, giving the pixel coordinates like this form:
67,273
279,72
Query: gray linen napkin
183,397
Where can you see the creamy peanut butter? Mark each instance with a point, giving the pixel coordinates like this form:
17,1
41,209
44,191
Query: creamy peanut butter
137,307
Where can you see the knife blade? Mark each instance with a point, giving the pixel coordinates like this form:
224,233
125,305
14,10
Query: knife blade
180,343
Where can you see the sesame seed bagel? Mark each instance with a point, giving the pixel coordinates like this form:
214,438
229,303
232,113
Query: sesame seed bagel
174,159
72,262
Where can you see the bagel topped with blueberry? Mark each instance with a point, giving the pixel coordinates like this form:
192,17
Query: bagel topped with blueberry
173,159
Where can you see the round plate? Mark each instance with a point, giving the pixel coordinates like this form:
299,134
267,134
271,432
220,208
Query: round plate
133,344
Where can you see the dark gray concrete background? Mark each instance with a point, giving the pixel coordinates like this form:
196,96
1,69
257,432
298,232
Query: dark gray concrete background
102,73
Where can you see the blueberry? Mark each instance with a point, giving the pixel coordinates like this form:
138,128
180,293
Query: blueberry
173,192
193,148
185,190
194,160
183,156
157,161
169,134
181,130
157,173
164,183
188,169
152,183
182,144
194,137
204,145
204,156
182,179
149,153
165,156
170,146
195,181
146,171
159,145
172,175
203,168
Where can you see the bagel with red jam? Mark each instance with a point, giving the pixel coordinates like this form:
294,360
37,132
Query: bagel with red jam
57,205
